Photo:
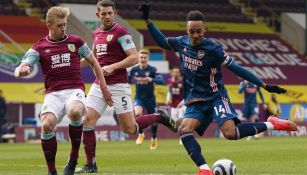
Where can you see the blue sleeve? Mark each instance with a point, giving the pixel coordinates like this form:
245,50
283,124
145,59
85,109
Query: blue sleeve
242,87
244,73
160,39
158,79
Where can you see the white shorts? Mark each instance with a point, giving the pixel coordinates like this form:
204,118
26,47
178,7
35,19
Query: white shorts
121,96
178,113
58,102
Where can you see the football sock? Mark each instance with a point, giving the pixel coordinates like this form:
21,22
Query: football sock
75,133
89,142
193,148
154,129
250,129
147,120
204,167
49,146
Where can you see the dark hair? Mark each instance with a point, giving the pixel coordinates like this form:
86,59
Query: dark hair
195,15
105,3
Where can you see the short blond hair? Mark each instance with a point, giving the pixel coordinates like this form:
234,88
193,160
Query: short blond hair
56,12
143,51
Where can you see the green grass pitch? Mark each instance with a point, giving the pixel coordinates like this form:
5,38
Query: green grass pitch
266,156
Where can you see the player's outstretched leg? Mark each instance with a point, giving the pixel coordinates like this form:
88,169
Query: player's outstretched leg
160,117
280,124
167,121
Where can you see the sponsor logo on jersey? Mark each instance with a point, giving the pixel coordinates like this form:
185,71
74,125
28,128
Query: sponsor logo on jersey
184,49
71,47
147,74
201,54
109,37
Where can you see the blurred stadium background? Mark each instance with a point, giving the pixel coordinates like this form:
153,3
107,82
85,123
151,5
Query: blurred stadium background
265,36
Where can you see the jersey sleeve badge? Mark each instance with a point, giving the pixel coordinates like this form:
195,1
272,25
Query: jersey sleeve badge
71,47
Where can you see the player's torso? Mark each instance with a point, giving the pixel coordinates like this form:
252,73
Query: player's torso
202,72
109,51
144,89
250,94
176,90
60,63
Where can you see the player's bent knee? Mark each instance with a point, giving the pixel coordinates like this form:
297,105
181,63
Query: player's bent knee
74,114
129,129
47,127
184,129
230,135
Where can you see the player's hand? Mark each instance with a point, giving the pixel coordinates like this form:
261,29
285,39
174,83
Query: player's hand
275,89
22,71
107,95
107,70
144,8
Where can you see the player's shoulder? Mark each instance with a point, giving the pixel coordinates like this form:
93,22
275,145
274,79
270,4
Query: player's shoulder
74,37
40,43
211,45
135,68
150,67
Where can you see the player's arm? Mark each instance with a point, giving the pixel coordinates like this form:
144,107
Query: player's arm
242,86
265,106
158,79
27,63
157,35
86,53
249,76
85,63
131,59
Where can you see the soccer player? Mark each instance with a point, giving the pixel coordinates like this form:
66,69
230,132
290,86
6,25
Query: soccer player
145,76
175,96
250,106
205,95
59,56
115,51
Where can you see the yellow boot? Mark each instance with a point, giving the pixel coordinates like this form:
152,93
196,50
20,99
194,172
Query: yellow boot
140,139
153,144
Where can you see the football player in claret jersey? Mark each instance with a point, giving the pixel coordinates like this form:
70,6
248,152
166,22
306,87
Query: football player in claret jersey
205,95
175,95
115,51
250,107
59,56
145,76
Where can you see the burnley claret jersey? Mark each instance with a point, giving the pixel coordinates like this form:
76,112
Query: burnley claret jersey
60,61
176,91
109,47
201,68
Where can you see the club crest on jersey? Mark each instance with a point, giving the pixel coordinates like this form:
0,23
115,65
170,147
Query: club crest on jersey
180,85
185,49
201,54
147,74
109,37
71,47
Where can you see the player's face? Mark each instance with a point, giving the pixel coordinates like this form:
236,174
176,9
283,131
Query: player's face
143,59
176,73
196,32
57,30
106,16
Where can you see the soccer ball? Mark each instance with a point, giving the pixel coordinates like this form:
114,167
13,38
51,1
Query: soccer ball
224,167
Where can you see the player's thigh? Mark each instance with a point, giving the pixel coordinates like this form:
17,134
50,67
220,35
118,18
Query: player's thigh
76,104
54,103
138,107
150,105
222,110
95,103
